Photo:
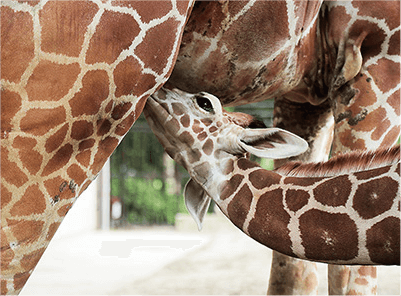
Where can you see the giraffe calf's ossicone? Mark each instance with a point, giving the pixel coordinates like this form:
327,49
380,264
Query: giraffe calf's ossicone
344,211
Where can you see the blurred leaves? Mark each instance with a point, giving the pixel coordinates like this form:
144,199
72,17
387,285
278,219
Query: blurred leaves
146,201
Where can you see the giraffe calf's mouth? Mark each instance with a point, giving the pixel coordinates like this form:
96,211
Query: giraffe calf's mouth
159,121
156,113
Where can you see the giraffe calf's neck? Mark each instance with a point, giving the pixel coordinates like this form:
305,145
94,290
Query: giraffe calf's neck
344,211
311,212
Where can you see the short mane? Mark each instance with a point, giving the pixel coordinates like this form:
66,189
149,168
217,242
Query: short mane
343,163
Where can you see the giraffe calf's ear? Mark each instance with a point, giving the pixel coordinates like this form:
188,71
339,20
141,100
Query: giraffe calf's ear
272,143
197,201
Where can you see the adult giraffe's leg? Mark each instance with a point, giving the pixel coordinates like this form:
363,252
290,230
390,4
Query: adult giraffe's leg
352,280
290,276
364,38
368,120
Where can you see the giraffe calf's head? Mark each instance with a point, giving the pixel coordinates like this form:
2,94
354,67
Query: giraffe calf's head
199,134
191,126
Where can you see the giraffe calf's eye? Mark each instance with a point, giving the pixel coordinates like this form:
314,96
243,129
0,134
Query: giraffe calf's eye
204,103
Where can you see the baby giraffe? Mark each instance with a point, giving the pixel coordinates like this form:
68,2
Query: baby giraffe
344,211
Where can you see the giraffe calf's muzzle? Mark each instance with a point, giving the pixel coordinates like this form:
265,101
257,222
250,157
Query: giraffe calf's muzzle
155,112
162,124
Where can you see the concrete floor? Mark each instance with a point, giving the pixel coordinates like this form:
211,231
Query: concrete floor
165,260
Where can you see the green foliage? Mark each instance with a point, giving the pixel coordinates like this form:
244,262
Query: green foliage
146,201
267,164
136,177
139,154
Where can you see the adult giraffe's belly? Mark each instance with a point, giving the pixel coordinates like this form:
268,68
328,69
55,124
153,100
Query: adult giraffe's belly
245,52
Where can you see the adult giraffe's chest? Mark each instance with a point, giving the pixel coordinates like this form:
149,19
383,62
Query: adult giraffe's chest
246,50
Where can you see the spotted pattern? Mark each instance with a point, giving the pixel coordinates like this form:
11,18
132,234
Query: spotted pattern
130,81
375,197
332,236
330,219
387,232
75,77
333,192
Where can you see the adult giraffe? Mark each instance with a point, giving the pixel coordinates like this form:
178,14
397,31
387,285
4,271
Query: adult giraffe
316,59
75,76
